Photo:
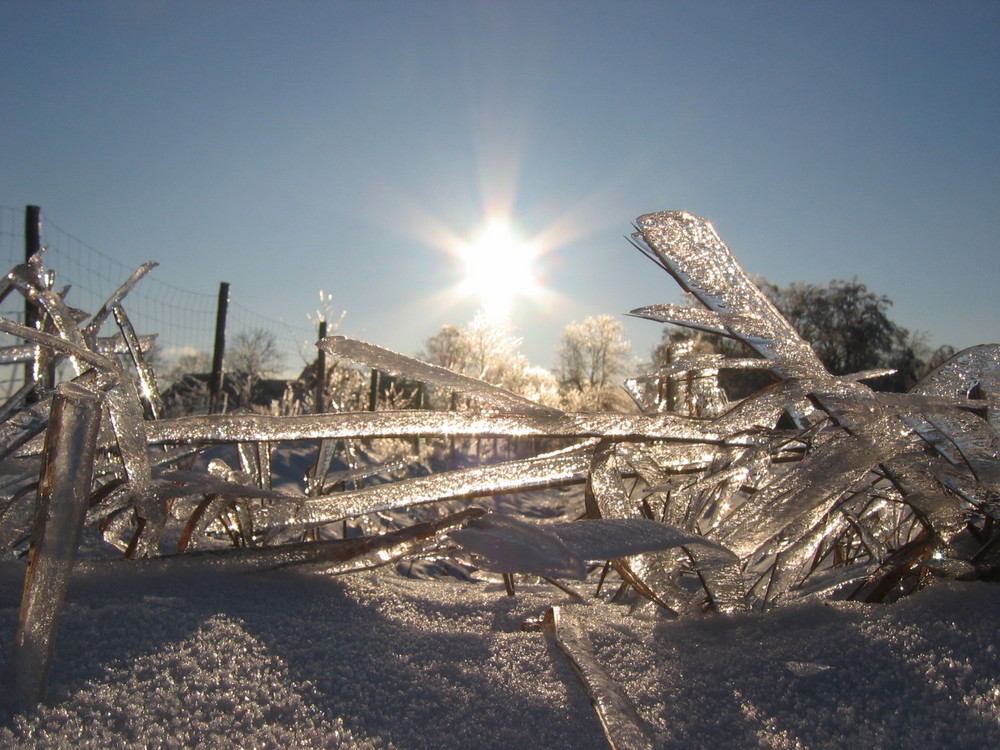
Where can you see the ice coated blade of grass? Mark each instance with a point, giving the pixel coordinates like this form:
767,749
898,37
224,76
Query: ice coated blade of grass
796,500
147,378
511,546
512,476
976,441
623,727
611,538
398,364
94,326
977,366
689,317
63,492
73,349
915,477
689,248
719,322
351,476
125,411
11,355
232,428
338,556
255,461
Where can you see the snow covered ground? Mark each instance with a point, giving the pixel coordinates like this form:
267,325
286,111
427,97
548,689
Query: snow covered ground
192,653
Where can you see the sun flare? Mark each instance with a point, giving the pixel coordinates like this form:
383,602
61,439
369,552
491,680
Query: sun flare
499,268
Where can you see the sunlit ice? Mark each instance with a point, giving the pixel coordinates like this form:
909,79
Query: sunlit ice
499,268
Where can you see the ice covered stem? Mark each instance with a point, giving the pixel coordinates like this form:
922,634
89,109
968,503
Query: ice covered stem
623,727
63,491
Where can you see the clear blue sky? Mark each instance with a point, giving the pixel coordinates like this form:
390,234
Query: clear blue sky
288,147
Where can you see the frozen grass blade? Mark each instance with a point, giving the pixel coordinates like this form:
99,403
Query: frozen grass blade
147,378
388,361
623,727
340,556
971,373
114,301
63,492
233,428
480,481
689,248
507,545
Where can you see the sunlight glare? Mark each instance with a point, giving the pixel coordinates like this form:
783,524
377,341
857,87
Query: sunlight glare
499,268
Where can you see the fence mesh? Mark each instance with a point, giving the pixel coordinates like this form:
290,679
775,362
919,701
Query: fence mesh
183,319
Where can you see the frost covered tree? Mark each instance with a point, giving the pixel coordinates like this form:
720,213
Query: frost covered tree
447,348
593,356
488,349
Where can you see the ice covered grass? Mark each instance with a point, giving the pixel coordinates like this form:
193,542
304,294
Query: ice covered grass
814,488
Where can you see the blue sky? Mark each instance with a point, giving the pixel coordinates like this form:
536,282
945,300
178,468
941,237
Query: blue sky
289,147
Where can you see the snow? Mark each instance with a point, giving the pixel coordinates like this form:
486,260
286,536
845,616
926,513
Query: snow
189,652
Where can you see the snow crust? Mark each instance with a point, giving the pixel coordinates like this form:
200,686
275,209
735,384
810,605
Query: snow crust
189,653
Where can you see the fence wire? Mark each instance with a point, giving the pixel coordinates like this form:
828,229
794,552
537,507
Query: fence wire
182,319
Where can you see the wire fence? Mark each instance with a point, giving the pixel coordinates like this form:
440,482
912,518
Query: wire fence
183,319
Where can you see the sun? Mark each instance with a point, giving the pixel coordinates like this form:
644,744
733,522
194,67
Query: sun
499,268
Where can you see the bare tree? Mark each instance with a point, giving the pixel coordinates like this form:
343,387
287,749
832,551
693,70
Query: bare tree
253,356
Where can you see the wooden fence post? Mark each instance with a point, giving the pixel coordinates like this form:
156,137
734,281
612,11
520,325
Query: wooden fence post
319,402
373,394
218,356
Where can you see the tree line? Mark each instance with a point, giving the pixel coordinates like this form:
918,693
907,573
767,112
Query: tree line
848,326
